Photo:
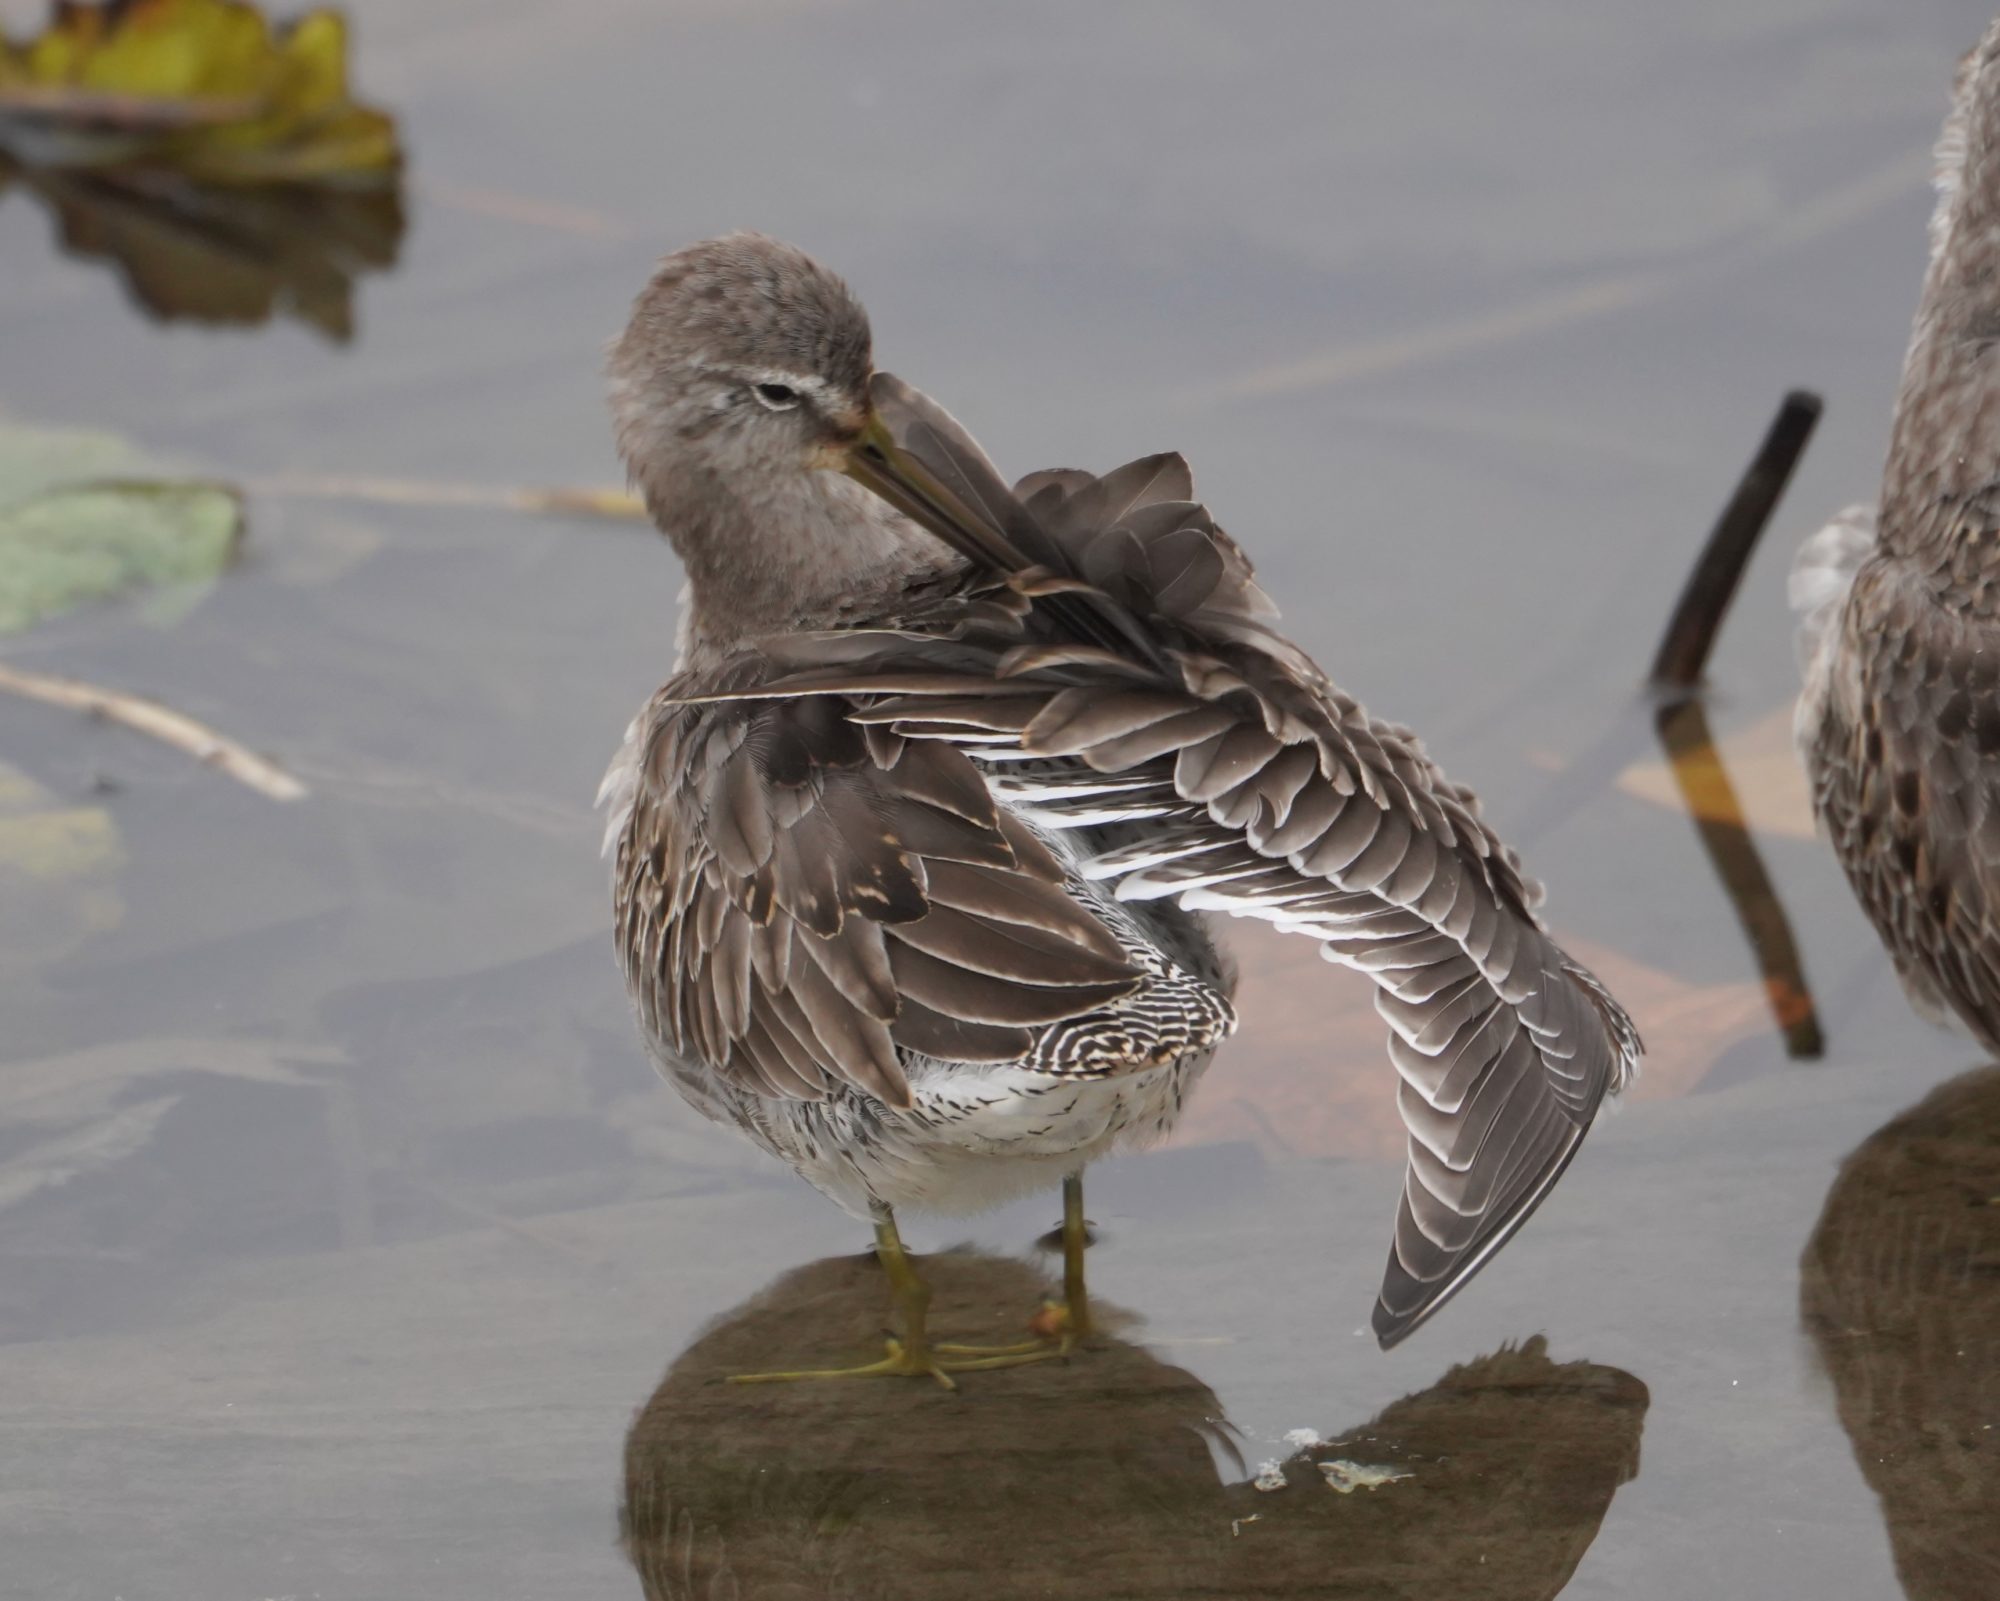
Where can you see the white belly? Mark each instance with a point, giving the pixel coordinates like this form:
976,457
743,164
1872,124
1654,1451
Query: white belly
975,1137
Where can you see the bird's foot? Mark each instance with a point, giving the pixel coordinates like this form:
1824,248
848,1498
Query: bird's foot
1041,1343
899,1361
1056,1330
936,1362
1067,1324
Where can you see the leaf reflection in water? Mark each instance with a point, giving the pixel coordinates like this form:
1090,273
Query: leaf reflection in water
1900,1289
220,161
225,256
1094,1478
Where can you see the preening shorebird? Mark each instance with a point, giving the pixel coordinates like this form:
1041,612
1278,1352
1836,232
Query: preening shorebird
1899,723
916,850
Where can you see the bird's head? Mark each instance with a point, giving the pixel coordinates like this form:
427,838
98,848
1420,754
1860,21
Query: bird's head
741,398
744,358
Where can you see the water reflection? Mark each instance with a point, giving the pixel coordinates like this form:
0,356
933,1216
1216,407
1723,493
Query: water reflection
225,256
1901,1292
1696,763
216,157
1099,1477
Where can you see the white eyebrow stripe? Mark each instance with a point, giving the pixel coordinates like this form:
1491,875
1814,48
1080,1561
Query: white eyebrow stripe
804,382
827,397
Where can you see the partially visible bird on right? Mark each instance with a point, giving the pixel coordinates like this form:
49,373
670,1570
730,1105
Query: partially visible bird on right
1899,721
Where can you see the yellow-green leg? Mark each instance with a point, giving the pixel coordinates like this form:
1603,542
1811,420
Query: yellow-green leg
1076,1238
913,1355
1068,1320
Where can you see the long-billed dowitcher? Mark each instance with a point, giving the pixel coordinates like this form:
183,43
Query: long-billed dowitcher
915,849
1899,636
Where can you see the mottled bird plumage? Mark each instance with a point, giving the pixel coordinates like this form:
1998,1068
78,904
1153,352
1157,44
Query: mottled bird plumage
913,869
1899,724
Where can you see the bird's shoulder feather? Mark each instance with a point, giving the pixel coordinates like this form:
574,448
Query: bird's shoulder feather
801,899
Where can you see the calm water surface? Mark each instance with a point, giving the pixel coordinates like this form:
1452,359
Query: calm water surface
348,1247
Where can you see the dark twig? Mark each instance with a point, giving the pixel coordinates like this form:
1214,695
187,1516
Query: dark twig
1682,723
1698,615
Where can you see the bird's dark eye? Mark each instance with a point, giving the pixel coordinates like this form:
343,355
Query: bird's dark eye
779,397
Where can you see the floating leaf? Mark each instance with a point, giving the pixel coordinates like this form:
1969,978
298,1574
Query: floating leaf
35,459
204,89
1308,1073
76,545
218,162
1770,794
58,873
79,530
71,536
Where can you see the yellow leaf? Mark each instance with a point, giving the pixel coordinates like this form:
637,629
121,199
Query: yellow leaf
201,88
1758,763
314,54
178,49
1308,1073
58,873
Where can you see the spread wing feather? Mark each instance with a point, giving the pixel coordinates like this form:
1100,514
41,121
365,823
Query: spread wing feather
1220,768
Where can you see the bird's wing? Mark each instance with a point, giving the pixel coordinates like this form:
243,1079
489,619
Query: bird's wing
1504,1045
799,899
1219,767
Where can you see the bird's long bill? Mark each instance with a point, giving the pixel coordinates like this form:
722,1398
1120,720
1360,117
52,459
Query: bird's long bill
917,487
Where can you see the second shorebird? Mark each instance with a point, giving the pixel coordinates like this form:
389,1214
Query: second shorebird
1899,723
916,848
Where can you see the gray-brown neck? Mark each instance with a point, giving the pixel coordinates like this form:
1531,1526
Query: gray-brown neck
786,551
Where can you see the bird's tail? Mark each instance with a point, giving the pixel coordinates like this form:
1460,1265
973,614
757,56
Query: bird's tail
1822,573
